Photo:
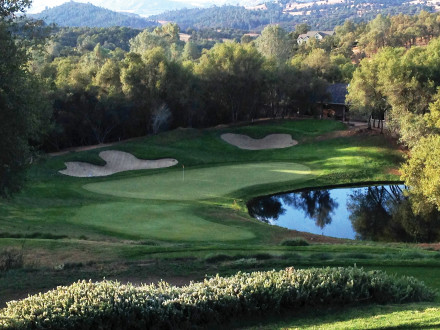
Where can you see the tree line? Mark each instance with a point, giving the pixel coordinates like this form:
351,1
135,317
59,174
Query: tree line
105,93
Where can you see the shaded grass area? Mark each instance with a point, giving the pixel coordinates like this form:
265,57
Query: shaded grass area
407,316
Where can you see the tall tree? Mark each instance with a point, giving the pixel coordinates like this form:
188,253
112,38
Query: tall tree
275,43
365,92
9,7
166,37
24,110
422,171
232,74
377,34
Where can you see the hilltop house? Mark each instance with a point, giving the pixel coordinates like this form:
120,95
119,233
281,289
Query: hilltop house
318,35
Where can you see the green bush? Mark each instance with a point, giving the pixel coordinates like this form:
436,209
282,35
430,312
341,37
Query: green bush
111,305
297,241
11,259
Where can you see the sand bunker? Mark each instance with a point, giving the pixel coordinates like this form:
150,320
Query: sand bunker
273,141
117,161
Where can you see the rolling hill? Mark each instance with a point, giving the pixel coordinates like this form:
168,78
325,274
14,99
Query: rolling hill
144,8
75,14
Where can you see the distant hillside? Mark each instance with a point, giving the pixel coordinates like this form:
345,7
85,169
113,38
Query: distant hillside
231,17
74,14
320,15
143,8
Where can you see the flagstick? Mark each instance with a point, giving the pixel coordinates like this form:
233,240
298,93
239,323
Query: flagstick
183,172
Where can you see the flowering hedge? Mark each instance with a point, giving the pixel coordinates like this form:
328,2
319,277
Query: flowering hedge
111,305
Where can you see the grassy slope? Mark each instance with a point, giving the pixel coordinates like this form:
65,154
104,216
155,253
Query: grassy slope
179,238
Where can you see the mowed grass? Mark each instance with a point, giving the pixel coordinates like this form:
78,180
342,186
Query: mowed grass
174,222
202,183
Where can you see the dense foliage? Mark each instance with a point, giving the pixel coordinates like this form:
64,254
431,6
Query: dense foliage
74,14
101,93
74,41
24,110
224,17
110,305
403,84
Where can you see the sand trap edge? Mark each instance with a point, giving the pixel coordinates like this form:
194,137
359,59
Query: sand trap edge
272,141
116,162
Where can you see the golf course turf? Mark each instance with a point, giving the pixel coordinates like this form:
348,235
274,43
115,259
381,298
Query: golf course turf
201,183
175,223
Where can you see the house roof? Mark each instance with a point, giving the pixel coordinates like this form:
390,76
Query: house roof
337,93
313,33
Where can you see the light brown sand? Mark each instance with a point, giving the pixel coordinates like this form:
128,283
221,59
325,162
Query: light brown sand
273,141
117,161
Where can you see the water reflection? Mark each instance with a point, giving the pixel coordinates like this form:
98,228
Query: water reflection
378,213
316,204
266,209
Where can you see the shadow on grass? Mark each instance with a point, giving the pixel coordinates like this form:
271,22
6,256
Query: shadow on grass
407,316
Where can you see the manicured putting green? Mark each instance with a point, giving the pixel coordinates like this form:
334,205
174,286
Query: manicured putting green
149,220
201,183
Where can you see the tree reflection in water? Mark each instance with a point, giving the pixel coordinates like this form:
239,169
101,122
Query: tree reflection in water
316,204
384,213
266,208
378,213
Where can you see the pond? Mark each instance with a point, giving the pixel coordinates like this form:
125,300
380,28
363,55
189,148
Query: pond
378,213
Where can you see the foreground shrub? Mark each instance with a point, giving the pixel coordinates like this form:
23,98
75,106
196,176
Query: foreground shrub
111,305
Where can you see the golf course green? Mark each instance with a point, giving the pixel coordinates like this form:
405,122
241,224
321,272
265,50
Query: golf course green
180,224
201,183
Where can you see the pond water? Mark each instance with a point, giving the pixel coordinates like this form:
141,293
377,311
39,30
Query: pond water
378,213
